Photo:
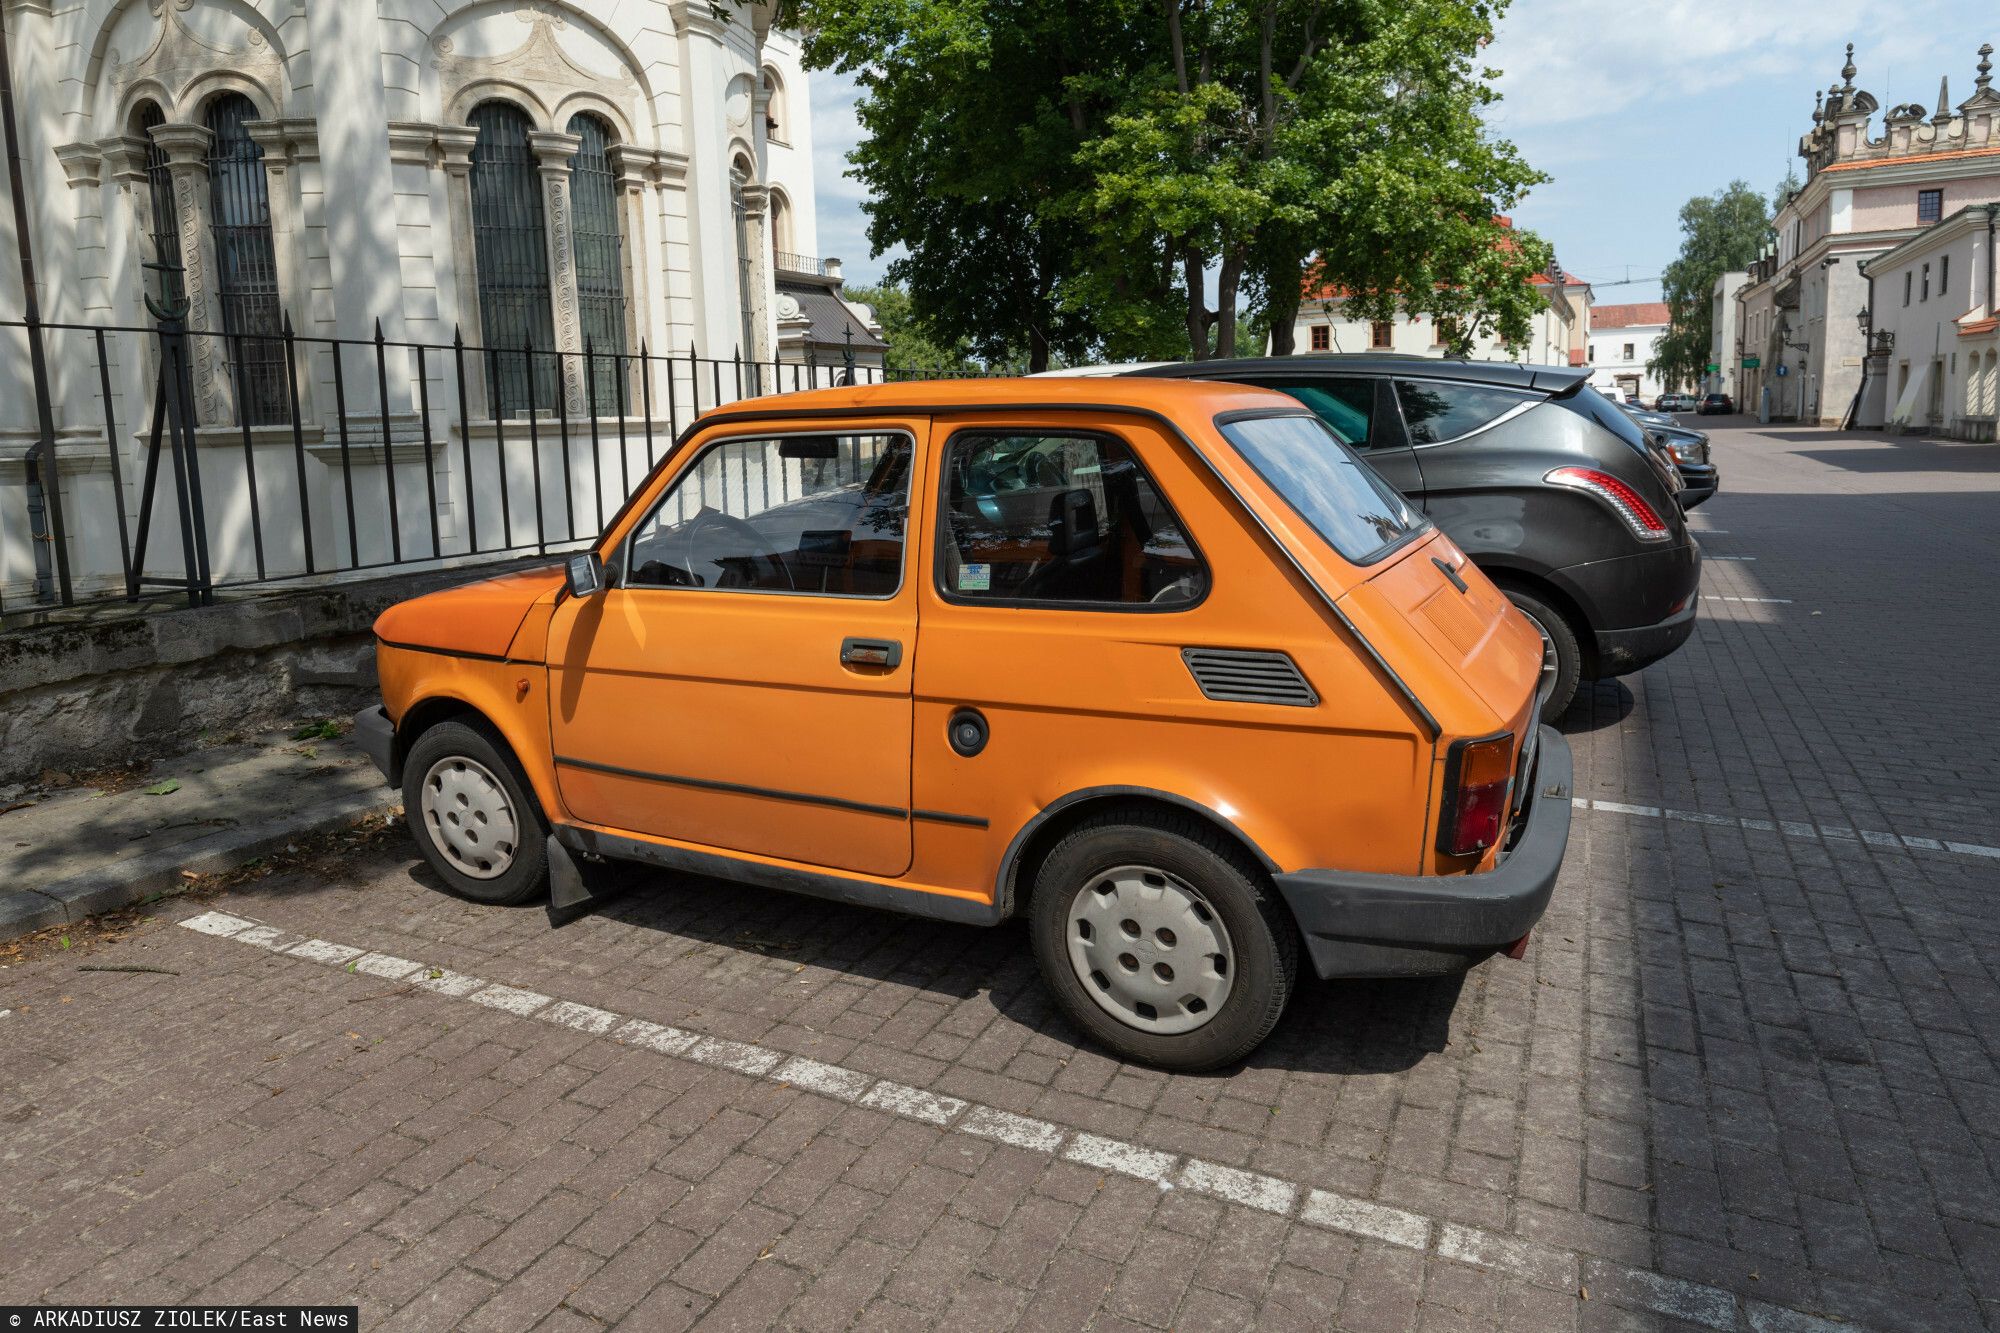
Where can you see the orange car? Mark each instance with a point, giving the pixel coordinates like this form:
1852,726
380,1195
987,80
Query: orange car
1156,663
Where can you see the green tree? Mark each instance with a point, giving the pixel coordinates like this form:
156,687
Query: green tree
972,114
1719,232
1288,128
912,351
1066,177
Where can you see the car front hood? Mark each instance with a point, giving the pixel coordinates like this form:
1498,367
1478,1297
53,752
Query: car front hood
476,619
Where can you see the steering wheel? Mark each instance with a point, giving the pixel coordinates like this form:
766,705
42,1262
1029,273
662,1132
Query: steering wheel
770,567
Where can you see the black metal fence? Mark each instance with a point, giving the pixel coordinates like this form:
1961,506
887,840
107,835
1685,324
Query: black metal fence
192,474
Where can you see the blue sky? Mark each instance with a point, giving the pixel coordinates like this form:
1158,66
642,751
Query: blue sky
1631,108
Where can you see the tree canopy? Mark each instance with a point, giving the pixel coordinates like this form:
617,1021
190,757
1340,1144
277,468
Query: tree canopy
1065,177
1719,232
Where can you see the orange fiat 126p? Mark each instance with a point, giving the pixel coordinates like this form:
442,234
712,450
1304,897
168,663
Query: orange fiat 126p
1157,664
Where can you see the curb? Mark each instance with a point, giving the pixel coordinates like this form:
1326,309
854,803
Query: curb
69,901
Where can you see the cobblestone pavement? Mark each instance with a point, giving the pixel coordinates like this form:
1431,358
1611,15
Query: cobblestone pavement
1745,1078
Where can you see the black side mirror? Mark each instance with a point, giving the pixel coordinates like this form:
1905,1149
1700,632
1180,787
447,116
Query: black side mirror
585,575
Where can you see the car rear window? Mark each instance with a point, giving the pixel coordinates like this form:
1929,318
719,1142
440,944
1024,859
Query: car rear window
1594,406
1437,412
1360,515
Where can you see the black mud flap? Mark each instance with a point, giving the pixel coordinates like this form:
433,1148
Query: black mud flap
576,887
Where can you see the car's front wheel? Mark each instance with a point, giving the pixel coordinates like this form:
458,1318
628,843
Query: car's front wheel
1162,940
473,815
1562,658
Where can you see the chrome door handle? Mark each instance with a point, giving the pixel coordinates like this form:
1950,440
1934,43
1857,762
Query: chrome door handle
885,654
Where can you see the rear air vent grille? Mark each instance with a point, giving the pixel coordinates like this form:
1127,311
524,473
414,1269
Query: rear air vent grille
1232,675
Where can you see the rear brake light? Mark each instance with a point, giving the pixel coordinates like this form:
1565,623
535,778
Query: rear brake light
1478,777
1638,515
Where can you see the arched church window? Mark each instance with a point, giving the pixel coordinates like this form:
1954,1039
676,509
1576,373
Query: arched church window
775,122
510,247
599,250
245,260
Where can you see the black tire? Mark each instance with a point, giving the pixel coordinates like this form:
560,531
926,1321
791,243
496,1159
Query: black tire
1556,635
525,875
1262,937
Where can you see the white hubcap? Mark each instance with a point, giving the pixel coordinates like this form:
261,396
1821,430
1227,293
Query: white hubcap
1150,950
469,817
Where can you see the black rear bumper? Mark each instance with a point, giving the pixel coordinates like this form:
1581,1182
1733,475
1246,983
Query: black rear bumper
1368,925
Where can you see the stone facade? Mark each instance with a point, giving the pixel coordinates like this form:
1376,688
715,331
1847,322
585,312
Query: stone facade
362,113
1865,193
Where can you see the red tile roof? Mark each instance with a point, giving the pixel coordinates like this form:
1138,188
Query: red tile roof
1626,316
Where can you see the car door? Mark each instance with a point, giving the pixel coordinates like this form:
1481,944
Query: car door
744,684
1358,409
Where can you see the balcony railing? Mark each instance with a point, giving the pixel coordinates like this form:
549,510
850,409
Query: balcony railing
785,261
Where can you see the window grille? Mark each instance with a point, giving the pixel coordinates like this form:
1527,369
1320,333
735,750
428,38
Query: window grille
1930,205
510,246
160,193
245,261
600,260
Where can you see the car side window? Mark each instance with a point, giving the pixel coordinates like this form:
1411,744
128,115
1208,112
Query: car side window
1346,405
1436,412
1069,518
819,514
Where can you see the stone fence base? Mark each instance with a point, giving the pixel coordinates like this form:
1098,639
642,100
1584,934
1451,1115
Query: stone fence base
82,695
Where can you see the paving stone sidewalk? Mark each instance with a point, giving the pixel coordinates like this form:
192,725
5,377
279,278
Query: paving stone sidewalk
75,844
1745,1078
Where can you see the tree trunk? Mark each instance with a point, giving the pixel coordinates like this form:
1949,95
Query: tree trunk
1281,305
1038,352
1197,305
1227,280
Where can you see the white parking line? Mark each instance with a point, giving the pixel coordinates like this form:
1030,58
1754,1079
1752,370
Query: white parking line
1791,828
1768,601
1738,558
1540,1265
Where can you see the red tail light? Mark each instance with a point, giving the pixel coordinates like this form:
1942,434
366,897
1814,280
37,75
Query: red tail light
1478,778
1638,515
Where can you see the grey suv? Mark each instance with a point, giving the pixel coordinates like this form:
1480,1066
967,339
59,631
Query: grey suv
1554,492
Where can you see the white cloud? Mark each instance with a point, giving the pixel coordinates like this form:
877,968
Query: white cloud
1568,61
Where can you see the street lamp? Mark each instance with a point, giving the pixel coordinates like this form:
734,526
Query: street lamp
1862,320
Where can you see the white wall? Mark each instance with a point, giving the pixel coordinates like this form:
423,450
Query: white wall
1612,372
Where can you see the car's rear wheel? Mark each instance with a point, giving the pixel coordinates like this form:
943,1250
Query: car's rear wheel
473,815
1562,659
1162,940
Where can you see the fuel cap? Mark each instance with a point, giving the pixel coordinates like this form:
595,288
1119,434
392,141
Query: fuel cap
966,732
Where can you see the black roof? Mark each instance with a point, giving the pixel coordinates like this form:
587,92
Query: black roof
1549,379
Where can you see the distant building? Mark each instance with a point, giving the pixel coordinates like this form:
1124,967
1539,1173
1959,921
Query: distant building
1558,334
1933,316
1802,339
1722,335
1623,340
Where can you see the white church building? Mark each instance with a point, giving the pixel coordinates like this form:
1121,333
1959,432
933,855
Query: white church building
572,177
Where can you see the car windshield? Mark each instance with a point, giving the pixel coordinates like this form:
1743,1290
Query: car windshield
1360,515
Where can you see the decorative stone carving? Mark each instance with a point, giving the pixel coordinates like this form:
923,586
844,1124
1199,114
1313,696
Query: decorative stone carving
539,63
179,56
81,163
187,148
552,154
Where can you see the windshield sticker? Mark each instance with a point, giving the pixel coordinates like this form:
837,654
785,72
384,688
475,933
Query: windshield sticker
975,578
